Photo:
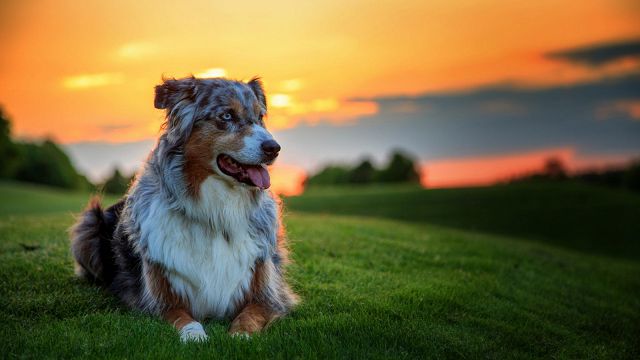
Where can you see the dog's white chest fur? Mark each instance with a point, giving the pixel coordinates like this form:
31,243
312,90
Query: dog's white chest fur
208,262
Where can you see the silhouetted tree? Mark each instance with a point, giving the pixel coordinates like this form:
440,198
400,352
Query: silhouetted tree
42,163
363,173
330,175
401,168
47,164
617,176
555,169
9,153
632,176
116,184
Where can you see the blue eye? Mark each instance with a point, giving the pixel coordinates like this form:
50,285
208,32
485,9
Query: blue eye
226,116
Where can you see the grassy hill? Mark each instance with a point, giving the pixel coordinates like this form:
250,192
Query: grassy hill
573,215
30,199
372,288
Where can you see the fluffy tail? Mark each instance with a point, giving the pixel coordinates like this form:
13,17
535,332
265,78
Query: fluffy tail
91,242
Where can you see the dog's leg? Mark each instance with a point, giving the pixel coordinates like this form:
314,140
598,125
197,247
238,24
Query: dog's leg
189,329
174,308
268,299
252,318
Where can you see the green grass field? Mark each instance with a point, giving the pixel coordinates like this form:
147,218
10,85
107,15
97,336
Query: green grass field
383,273
572,215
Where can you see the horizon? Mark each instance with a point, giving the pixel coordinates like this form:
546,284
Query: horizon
476,92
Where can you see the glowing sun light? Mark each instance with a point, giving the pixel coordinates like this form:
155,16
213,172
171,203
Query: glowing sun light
92,80
280,100
212,73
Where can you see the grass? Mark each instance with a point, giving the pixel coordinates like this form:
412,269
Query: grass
573,215
372,288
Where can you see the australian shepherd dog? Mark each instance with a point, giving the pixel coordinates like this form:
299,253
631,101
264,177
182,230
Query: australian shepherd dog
197,235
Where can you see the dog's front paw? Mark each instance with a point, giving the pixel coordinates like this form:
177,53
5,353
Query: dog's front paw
193,331
242,335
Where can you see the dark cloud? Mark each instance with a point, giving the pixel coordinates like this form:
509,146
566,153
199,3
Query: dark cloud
487,121
479,122
601,54
114,127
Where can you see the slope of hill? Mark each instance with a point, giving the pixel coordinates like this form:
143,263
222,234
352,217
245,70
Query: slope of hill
21,198
371,288
573,215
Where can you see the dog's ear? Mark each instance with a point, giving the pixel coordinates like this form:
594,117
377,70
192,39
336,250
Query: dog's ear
256,85
172,91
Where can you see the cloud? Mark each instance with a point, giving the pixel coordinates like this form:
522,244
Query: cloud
85,81
280,100
212,73
600,54
136,50
114,127
485,121
630,108
291,85
287,112
483,124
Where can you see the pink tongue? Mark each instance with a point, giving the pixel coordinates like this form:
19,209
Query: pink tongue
259,176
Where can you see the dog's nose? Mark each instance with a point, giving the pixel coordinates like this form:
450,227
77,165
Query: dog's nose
270,148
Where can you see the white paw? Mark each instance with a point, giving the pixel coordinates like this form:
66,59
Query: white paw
241,335
193,331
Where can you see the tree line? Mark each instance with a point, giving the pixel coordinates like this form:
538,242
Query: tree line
619,177
401,168
41,162
44,162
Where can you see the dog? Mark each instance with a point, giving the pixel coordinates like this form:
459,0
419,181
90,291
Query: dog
198,234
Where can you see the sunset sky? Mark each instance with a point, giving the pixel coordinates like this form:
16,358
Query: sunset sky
477,90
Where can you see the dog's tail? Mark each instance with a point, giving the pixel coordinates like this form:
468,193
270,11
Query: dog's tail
91,243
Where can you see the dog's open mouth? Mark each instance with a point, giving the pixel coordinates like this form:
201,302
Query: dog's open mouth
254,175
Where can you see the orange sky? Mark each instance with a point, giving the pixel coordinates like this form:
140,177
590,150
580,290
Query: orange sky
485,170
81,71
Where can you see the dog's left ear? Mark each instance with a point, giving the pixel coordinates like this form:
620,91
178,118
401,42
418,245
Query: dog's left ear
172,91
256,85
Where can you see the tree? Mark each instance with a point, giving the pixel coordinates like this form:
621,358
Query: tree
9,153
401,168
42,163
363,173
632,176
330,175
555,169
116,184
46,163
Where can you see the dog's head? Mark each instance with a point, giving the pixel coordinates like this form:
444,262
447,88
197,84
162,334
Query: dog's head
217,125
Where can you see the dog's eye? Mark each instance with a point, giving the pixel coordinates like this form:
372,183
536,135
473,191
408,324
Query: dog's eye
226,116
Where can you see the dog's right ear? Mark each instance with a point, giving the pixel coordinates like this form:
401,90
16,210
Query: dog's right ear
258,89
172,91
